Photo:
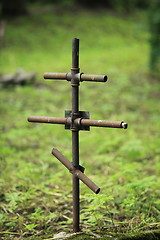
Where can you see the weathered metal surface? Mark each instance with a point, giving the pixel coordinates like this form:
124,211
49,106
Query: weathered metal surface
63,159
59,76
78,173
81,114
87,181
78,76
75,133
93,78
53,120
100,123
78,122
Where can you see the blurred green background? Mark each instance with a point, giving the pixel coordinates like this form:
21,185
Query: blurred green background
118,39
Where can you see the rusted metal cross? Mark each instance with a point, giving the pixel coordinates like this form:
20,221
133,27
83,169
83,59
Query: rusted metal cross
76,120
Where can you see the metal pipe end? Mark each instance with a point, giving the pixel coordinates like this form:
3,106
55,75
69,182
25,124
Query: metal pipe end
45,75
53,151
30,118
75,39
97,191
124,125
105,78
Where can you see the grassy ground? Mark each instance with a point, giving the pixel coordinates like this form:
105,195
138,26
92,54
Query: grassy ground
35,195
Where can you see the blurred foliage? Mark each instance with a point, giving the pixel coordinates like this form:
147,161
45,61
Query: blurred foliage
35,189
130,5
10,7
13,8
154,19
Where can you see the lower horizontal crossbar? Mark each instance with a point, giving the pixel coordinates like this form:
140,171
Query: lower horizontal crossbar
78,122
76,171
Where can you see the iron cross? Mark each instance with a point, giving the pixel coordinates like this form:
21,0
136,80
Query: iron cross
76,120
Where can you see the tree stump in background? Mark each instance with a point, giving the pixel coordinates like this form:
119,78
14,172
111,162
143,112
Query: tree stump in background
2,31
19,78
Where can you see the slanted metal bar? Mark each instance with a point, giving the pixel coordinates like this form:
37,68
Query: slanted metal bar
62,159
79,76
75,171
87,181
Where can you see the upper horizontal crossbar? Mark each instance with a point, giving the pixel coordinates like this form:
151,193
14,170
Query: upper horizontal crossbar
78,76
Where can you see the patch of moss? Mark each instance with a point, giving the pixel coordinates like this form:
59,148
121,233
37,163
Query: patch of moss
87,237
149,235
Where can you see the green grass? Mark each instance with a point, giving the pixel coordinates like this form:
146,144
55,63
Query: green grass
35,196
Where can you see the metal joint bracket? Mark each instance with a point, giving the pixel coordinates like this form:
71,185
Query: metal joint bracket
81,115
74,116
78,76
80,168
74,80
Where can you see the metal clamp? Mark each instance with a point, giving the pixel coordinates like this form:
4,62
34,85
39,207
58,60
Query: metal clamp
80,115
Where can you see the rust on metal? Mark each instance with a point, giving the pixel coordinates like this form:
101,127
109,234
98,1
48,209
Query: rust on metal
76,120
75,133
59,76
78,76
53,120
101,123
62,159
75,171
93,78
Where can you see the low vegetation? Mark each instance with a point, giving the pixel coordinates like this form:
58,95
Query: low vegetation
35,189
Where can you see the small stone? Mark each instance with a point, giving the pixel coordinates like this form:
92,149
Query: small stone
61,235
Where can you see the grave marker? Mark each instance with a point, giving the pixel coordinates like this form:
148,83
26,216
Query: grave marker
76,120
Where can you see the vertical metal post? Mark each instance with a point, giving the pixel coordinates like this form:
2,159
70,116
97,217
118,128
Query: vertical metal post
75,132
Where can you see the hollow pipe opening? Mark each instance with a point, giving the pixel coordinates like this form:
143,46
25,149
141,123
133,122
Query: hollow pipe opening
105,78
98,190
124,125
